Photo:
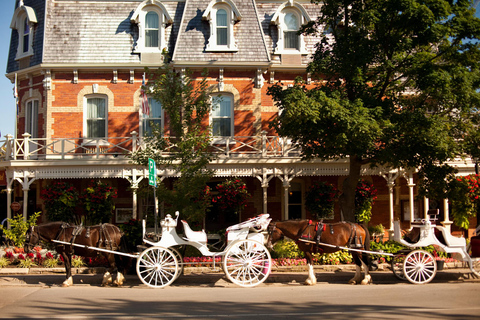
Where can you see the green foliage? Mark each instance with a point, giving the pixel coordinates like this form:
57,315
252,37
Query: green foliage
132,231
60,199
18,228
50,263
4,262
186,150
320,199
375,52
27,263
365,196
389,246
286,249
77,262
98,202
464,195
335,258
378,229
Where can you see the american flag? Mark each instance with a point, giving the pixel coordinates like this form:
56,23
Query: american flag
143,95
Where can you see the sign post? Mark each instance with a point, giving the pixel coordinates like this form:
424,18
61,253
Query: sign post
152,181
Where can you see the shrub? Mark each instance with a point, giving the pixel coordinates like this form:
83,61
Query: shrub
26,263
4,262
365,196
98,202
77,262
50,262
286,249
18,228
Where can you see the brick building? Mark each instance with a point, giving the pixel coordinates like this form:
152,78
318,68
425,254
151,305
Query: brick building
78,68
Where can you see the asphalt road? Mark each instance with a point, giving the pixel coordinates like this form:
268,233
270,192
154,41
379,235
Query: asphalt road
210,296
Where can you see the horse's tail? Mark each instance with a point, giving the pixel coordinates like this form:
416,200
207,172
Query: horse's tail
366,256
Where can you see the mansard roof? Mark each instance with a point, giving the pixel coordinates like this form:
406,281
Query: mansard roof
194,31
104,32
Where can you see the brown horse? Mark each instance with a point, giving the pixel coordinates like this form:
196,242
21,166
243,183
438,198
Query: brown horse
342,234
105,236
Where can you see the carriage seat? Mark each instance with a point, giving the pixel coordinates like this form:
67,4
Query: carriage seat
451,241
198,236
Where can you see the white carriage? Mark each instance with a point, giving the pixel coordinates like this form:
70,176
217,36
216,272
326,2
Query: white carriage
245,260
419,266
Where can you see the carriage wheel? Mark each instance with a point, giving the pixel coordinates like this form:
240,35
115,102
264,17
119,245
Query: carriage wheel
157,267
247,263
179,257
397,266
419,267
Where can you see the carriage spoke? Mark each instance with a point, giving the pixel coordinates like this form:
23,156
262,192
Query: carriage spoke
247,263
157,267
419,267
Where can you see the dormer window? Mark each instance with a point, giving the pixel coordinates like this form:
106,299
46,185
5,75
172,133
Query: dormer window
24,20
221,15
288,19
152,18
151,30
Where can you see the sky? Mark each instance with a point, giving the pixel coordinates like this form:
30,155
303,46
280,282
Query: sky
7,101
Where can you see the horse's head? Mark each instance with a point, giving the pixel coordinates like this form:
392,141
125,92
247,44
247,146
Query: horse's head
274,235
31,238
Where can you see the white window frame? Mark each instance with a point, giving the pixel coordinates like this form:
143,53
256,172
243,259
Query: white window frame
31,117
85,120
216,100
210,15
139,18
22,17
144,117
278,19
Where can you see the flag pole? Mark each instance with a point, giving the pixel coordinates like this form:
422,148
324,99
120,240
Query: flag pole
15,94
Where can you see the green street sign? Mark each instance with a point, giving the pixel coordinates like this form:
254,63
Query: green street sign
152,172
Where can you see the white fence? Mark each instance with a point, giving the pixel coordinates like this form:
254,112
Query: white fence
262,146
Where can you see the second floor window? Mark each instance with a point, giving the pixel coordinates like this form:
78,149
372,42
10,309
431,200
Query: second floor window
222,117
154,119
31,118
151,30
96,119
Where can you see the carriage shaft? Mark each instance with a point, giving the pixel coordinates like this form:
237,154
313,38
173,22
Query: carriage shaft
97,249
348,249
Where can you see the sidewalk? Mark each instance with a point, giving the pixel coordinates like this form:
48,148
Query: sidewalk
208,277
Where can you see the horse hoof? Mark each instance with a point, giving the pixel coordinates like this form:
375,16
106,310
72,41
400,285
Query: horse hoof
367,280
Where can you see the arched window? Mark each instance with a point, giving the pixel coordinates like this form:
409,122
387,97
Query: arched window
96,116
222,116
222,28
152,18
151,30
288,18
290,33
24,20
221,15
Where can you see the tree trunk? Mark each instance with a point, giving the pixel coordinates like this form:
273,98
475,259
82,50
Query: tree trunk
347,198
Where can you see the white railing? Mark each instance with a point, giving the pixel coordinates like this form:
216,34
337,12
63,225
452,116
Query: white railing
262,146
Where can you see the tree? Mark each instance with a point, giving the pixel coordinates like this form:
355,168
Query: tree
185,150
399,88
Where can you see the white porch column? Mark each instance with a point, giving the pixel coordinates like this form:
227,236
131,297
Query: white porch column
446,219
426,205
9,203
25,187
264,180
286,185
390,186
411,198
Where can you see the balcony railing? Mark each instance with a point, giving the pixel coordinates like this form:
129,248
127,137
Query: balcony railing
262,146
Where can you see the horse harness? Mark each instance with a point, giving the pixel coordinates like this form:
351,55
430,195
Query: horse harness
104,241
313,232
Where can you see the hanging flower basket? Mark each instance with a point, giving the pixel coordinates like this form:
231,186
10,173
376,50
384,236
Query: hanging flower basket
320,199
232,195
